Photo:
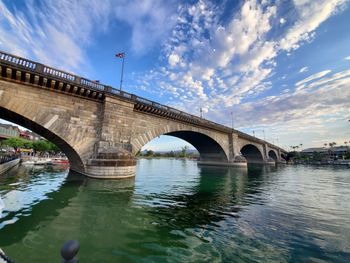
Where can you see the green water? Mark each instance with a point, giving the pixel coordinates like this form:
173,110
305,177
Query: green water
175,211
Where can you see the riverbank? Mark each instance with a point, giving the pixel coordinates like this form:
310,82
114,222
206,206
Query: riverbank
8,165
166,157
335,162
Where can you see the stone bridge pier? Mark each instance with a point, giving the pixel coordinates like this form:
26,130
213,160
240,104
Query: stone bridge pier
101,129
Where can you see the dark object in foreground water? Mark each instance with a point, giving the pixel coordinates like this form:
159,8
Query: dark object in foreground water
69,250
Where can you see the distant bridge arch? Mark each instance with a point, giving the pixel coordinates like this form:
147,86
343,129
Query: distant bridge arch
273,155
210,146
252,153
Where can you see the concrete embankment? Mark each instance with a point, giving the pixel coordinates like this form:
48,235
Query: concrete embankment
8,165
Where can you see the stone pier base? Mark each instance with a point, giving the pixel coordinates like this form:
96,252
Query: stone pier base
118,165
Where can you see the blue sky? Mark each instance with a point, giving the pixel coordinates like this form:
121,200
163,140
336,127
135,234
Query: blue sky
281,67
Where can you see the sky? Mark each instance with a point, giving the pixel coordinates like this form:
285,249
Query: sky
279,70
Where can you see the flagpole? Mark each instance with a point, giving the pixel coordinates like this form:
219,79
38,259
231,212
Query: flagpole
121,77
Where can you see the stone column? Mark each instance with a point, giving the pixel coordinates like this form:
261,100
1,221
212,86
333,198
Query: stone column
266,152
235,158
112,157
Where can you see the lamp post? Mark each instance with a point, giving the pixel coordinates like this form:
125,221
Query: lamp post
232,120
201,112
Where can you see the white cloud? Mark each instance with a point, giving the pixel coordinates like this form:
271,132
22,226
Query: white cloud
347,58
173,59
301,114
313,77
150,21
58,32
244,32
56,35
311,15
230,64
304,69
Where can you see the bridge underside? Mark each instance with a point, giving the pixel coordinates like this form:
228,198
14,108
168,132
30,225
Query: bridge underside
252,154
273,155
74,159
209,150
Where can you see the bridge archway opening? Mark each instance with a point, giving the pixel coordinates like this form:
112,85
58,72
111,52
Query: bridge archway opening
74,159
252,154
209,150
283,156
273,155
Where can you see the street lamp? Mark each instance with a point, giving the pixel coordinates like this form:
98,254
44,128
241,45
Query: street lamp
231,119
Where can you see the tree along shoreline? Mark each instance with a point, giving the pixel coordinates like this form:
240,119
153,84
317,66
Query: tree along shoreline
184,153
38,147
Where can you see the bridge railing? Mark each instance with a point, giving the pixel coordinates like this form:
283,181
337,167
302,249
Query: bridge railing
58,73
18,61
92,84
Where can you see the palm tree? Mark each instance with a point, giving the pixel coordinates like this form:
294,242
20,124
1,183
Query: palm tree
331,144
325,144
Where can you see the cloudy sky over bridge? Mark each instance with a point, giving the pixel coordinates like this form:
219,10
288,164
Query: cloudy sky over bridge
280,67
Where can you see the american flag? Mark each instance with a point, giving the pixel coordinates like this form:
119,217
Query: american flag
120,55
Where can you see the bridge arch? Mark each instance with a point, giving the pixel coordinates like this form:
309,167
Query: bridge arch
273,155
75,161
252,154
209,148
283,156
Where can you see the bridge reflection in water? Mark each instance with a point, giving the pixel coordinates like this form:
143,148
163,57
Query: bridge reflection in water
113,218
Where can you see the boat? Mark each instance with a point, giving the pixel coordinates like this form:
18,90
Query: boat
37,161
59,161
42,161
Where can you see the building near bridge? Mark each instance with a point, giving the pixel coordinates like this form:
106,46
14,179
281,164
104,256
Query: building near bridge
29,135
331,152
8,131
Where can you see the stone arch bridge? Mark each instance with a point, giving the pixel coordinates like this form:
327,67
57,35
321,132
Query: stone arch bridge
100,128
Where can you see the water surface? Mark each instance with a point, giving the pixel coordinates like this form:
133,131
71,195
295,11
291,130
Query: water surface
175,211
